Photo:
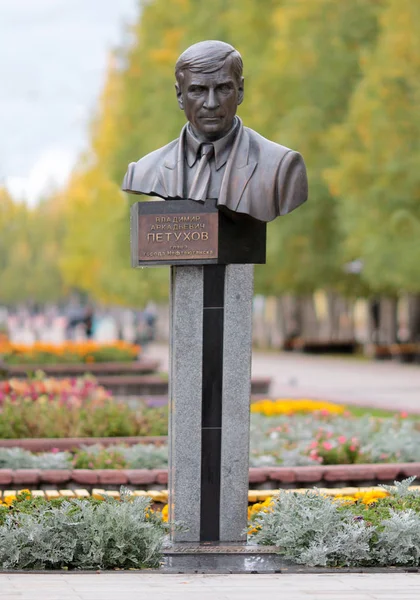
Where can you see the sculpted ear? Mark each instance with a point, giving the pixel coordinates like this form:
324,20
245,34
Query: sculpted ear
179,96
241,91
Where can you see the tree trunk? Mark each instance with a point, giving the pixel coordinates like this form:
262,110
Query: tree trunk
310,326
388,321
414,318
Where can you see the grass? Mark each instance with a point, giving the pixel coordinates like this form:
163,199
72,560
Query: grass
362,411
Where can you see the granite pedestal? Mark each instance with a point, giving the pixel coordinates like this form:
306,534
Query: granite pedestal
210,374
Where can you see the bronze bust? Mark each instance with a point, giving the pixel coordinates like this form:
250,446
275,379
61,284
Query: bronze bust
215,155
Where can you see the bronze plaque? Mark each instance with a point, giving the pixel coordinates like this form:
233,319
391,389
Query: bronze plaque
180,236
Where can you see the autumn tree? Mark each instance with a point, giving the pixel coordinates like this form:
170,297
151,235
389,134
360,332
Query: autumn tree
30,240
377,181
309,69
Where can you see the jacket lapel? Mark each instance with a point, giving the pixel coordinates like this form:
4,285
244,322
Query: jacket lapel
239,170
172,171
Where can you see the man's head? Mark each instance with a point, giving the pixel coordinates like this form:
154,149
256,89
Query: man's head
209,87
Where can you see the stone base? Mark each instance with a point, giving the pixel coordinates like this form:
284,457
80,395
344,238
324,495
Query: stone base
213,557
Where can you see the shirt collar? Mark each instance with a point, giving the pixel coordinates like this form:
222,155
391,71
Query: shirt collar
222,147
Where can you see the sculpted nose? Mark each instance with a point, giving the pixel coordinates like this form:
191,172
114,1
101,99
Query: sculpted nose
211,101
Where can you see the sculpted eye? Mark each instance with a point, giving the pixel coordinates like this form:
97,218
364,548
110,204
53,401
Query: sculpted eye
196,89
225,88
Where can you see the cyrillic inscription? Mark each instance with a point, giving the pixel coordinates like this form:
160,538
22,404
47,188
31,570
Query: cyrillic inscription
178,237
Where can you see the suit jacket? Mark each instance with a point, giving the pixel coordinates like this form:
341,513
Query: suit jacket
262,179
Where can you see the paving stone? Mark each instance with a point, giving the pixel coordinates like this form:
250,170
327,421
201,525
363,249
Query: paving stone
409,469
55,475
6,476
140,476
387,472
283,474
136,586
26,476
81,493
161,476
112,477
52,494
257,475
308,474
350,472
85,476
67,493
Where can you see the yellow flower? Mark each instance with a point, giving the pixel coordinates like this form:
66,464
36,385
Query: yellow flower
371,496
8,500
288,406
260,506
346,499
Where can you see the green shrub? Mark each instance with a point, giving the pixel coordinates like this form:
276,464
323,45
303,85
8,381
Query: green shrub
27,418
316,530
81,534
98,457
139,456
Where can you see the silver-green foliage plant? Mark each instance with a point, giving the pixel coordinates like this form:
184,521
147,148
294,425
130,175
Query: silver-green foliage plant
399,541
310,529
18,458
145,456
81,534
139,456
316,530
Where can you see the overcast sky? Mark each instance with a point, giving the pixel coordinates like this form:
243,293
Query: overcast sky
53,56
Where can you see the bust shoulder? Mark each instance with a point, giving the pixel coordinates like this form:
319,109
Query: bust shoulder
144,170
267,149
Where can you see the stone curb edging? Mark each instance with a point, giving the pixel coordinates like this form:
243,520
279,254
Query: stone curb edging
143,365
47,444
284,475
334,473
161,496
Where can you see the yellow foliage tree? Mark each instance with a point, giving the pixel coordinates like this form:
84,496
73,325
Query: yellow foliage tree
30,240
377,181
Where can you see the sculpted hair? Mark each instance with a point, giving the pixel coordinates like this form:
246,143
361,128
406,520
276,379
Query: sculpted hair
208,57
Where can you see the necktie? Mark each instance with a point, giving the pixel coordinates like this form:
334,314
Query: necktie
201,181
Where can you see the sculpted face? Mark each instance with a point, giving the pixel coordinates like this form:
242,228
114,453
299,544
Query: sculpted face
210,100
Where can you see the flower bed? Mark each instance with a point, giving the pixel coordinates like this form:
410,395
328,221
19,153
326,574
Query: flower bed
139,456
80,408
359,528
69,352
71,408
80,533
324,438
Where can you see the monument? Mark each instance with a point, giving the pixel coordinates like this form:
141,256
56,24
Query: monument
220,183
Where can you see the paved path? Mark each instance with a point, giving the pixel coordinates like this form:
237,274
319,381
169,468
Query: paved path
348,380
142,586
